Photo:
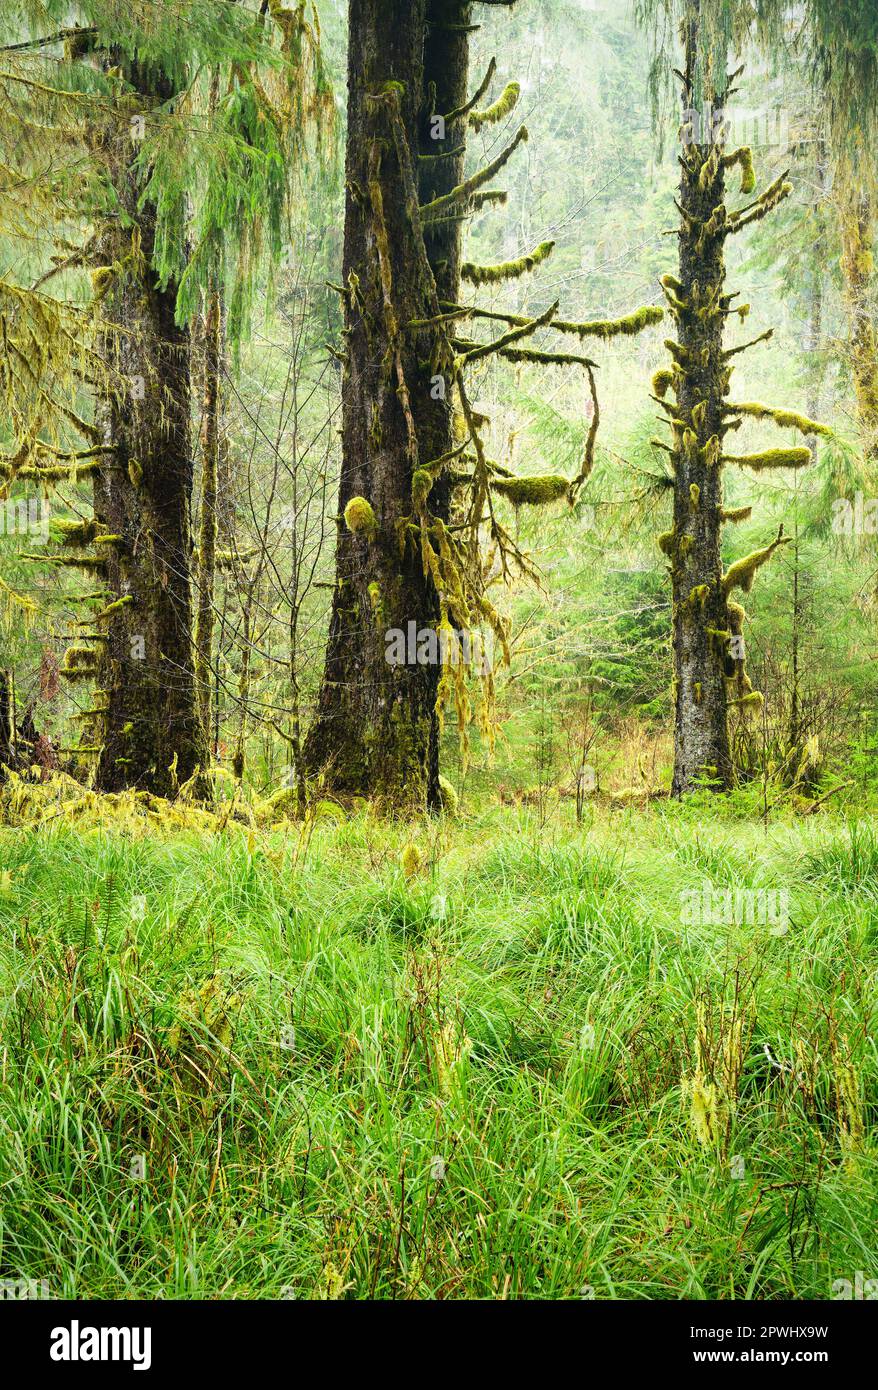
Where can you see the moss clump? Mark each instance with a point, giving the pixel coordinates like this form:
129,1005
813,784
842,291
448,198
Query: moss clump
505,103
694,495
642,318
532,492
422,482
785,419
741,574
771,458
115,607
448,798
744,159
80,663
735,513
698,596
662,381
751,703
74,533
506,270
412,861
135,473
360,518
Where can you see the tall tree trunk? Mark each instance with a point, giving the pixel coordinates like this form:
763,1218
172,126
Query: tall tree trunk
817,270
441,168
858,235
151,732
7,721
701,735
211,430
709,658
375,725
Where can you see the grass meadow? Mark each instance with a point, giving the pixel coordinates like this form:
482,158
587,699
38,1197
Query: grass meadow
283,1066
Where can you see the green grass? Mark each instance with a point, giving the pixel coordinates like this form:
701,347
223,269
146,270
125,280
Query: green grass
292,1039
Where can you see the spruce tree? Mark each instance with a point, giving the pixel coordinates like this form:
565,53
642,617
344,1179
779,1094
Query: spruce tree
415,503
182,193
709,645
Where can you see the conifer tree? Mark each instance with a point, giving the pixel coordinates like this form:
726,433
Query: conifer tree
710,675
178,202
415,503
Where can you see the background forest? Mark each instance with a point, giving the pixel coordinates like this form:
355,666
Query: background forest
549,977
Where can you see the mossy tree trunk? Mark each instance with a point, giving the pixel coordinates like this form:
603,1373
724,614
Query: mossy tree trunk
7,721
151,732
211,434
710,673
857,262
701,735
441,163
375,730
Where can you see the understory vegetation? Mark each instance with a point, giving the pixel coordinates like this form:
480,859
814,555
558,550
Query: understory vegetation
504,1070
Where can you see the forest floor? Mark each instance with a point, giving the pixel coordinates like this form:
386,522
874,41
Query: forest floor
265,1066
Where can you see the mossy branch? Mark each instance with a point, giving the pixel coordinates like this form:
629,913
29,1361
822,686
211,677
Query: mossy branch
505,342
744,159
771,458
472,185
507,270
741,574
505,103
785,419
474,100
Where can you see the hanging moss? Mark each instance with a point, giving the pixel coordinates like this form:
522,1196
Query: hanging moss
662,381
642,318
135,473
448,798
73,533
422,482
786,419
532,492
79,659
699,595
741,574
115,607
506,270
501,108
735,514
360,518
694,495
771,458
744,159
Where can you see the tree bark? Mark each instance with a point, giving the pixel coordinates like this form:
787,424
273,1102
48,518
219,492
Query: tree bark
375,733
211,425
8,756
701,736
858,235
151,735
